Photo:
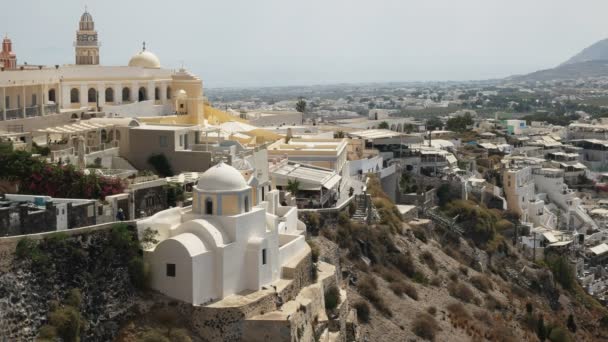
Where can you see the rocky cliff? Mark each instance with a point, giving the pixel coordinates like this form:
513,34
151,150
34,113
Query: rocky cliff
102,265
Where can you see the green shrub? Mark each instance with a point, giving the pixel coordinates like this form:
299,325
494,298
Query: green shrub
425,326
332,298
67,322
559,334
314,250
362,311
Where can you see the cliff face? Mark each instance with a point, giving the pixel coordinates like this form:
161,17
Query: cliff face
100,264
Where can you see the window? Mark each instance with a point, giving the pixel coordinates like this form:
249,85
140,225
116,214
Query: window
168,93
19,101
92,95
109,95
181,140
163,141
7,102
171,270
142,94
34,100
126,94
156,94
208,206
246,204
74,95
264,256
52,95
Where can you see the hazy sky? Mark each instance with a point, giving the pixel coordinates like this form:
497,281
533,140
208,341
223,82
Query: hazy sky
289,42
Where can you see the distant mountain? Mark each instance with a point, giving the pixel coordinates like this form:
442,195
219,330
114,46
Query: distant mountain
595,52
567,71
590,62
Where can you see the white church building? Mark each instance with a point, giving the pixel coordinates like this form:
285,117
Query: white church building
234,238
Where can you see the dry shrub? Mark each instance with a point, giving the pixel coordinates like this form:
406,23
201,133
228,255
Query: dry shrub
428,258
404,263
482,283
400,287
519,291
425,326
462,292
420,234
368,288
436,281
484,317
464,270
493,304
458,314
501,333
362,311
390,274
431,310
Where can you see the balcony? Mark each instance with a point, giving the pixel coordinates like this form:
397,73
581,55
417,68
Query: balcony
12,114
50,109
33,111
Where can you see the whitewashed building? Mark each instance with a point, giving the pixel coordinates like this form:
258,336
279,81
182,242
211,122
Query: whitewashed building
227,242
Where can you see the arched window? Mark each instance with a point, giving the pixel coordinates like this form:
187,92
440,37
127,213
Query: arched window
104,135
208,206
156,94
52,95
92,98
142,96
126,94
109,95
168,93
246,204
74,95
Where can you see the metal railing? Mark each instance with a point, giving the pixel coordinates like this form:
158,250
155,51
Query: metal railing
12,114
50,108
32,111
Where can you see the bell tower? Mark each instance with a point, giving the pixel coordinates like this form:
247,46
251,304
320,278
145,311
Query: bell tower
86,44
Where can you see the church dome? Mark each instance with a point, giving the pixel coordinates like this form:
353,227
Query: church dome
86,17
145,59
221,177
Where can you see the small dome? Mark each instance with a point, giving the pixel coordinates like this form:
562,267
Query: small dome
242,165
86,17
145,59
221,177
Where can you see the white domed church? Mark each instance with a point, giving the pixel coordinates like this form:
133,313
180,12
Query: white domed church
229,241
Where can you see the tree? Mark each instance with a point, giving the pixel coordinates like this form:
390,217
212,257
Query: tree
301,105
541,331
293,186
434,123
571,324
460,123
339,135
383,125
161,165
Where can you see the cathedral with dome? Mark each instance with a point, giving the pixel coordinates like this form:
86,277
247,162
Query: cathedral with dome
139,88
235,238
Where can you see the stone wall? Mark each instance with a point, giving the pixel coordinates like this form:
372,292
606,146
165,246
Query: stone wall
216,322
150,200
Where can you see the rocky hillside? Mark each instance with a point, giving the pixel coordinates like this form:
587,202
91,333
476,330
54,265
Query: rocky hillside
595,52
418,281
68,286
590,62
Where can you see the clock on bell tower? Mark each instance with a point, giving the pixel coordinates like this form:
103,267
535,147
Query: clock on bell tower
86,44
